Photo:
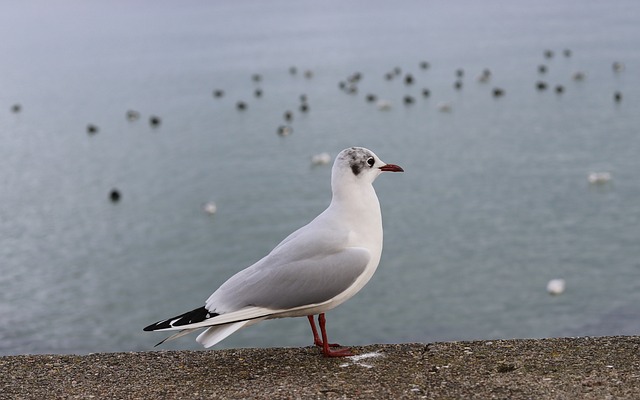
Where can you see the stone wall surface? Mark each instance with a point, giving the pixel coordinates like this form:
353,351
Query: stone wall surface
564,368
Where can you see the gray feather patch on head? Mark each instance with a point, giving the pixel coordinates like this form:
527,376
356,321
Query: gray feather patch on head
357,159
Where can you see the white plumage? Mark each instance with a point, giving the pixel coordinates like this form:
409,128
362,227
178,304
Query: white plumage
313,270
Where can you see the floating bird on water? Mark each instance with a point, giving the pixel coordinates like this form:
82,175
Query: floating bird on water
285,130
313,270
556,286
498,92
210,207
541,85
617,66
132,115
485,76
115,195
408,79
154,121
383,105
599,177
578,76
321,159
408,100
445,107
92,129
617,96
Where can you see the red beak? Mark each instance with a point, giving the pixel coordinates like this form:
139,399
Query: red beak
391,168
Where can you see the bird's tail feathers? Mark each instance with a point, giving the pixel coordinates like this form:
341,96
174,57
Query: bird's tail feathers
215,334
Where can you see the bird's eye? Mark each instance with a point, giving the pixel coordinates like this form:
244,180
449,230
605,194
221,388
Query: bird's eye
371,161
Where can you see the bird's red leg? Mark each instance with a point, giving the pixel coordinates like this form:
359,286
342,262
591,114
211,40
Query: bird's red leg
316,338
326,351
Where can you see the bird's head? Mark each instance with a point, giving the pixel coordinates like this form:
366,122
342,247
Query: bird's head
357,164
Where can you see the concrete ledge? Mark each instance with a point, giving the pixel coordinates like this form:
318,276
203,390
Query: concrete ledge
572,368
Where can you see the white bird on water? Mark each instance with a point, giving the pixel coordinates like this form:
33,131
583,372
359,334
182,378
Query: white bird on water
556,286
599,177
313,270
321,158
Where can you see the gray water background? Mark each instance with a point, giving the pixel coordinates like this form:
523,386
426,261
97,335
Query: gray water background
494,201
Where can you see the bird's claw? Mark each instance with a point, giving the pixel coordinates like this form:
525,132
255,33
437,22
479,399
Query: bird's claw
346,352
320,344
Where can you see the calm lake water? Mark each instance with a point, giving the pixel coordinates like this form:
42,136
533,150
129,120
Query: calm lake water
494,202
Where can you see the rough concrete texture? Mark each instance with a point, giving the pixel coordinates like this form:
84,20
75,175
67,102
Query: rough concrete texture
568,368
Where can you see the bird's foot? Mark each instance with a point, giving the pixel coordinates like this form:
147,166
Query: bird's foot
346,352
320,344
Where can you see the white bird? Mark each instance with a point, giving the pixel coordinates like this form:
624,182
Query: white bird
313,270
444,106
210,207
599,177
321,158
556,286
383,105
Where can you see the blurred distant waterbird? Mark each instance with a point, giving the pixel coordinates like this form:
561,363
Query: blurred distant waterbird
115,195
556,286
154,121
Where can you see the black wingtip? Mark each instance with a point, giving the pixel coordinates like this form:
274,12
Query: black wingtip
190,317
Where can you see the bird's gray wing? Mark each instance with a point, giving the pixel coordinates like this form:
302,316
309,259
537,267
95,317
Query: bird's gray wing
293,276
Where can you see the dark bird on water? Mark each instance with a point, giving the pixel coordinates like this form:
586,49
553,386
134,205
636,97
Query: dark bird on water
115,195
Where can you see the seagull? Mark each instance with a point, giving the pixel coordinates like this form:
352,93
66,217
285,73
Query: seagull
599,178
556,286
313,270
210,207
321,158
